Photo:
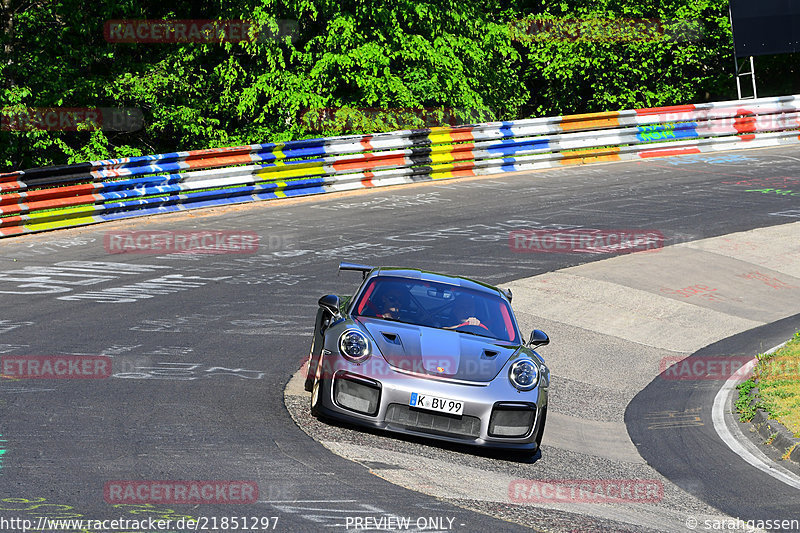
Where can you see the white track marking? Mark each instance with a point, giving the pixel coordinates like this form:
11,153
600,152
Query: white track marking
732,436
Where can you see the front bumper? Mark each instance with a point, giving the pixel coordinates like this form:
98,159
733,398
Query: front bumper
376,395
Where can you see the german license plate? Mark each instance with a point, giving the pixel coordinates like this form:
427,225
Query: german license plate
434,403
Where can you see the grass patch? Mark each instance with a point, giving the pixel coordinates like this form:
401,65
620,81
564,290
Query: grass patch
744,404
777,377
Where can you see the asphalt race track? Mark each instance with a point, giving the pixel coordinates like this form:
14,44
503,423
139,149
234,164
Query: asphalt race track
203,345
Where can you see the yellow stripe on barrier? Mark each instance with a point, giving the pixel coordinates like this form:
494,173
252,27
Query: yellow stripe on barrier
62,218
281,170
442,157
441,137
279,191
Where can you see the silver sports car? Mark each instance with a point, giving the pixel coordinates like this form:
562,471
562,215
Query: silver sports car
430,355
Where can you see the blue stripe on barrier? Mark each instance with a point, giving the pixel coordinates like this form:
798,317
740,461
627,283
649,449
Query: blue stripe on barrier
508,147
660,132
152,181
146,191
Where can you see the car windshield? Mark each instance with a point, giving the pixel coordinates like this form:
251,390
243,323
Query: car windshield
438,305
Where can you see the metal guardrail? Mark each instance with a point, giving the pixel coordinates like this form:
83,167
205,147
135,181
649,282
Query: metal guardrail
48,198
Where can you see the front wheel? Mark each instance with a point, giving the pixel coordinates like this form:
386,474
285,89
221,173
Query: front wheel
317,389
316,349
540,429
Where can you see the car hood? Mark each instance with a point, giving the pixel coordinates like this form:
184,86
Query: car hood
437,352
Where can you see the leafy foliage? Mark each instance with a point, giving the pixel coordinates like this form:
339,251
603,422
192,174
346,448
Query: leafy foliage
473,60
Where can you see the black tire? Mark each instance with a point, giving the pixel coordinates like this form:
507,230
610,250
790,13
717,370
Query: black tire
316,349
316,389
540,429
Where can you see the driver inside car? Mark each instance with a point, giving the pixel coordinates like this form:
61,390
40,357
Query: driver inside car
389,303
463,313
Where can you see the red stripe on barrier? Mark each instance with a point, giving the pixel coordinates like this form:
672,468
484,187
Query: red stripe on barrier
10,182
11,221
59,192
10,176
668,109
213,162
745,124
56,203
5,232
48,198
11,186
366,142
670,151
366,181
371,161
10,198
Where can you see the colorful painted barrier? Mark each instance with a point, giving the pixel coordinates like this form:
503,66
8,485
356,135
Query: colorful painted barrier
58,197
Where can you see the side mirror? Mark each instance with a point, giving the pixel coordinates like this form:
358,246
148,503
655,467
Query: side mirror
330,303
539,338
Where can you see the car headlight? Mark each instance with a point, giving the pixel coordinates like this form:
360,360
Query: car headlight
524,374
354,346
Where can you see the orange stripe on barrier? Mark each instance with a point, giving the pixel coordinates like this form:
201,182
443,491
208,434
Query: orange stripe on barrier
214,152
210,162
463,152
590,121
462,136
462,173
592,155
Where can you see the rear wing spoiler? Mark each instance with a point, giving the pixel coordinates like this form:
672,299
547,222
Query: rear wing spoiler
364,269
